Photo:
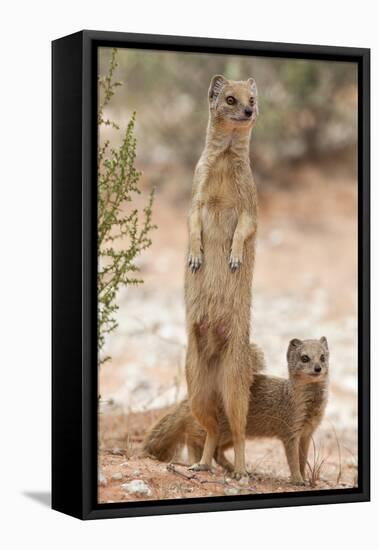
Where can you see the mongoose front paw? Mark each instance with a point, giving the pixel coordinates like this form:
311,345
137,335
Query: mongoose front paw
198,467
234,263
194,262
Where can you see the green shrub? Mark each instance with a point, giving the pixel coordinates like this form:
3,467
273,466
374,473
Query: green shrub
123,230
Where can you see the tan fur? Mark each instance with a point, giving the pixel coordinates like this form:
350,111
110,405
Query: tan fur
222,227
169,433
287,409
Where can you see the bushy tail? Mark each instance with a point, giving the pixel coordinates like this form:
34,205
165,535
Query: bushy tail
167,436
257,359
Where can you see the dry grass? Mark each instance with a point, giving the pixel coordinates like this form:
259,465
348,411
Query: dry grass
315,464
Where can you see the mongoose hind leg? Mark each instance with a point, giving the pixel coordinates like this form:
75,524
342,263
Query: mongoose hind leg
235,395
303,453
292,452
194,453
236,413
239,470
222,461
210,445
204,408
202,395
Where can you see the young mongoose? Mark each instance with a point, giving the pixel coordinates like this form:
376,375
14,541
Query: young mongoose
222,227
287,409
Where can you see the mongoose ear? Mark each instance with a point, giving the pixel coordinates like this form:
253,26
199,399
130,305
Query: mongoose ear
324,342
294,343
254,91
253,86
217,83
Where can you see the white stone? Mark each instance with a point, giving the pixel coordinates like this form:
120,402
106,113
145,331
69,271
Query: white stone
230,491
102,480
137,487
244,481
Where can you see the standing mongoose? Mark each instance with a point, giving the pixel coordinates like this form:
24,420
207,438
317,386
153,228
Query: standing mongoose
287,409
222,227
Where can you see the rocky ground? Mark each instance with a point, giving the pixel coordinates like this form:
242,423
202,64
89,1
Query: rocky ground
126,475
304,286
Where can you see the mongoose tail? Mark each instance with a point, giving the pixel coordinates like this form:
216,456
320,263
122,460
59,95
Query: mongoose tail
168,434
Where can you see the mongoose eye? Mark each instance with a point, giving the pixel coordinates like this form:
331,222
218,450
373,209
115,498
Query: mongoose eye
230,100
322,358
305,358
251,101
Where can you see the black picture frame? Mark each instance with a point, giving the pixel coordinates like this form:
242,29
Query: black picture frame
74,307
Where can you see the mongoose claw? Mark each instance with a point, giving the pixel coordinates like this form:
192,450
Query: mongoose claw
194,262
198,467
234,263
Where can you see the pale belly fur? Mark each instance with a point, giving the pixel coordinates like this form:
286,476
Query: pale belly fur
214,291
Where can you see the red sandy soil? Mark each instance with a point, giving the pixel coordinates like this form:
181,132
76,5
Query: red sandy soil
120,455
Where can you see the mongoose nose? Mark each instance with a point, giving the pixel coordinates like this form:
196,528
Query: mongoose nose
248,112
317,368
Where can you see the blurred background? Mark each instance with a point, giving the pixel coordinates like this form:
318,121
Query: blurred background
304,160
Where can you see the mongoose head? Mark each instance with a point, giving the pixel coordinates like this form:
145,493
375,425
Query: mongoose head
233,103
308,360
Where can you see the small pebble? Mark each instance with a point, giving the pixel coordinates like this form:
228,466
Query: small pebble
102,480
117,476
137,487
244,481
117,451
230,491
